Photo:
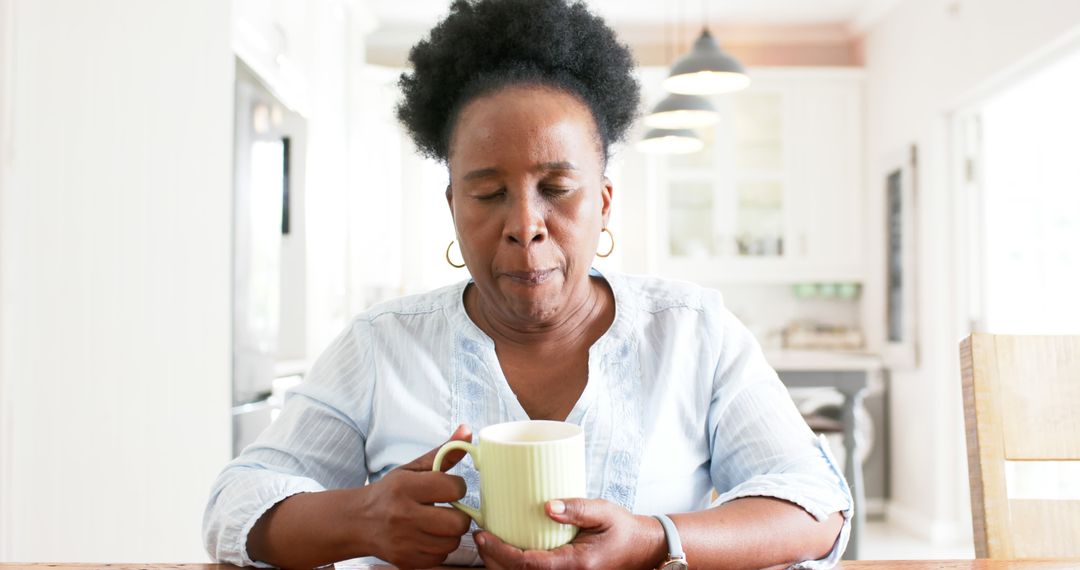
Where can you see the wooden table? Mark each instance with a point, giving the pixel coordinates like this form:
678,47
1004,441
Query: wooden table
846,565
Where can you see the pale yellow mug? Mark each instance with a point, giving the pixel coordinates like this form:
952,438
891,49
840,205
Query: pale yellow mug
523,465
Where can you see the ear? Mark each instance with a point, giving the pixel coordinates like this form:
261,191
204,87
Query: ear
605,194
450,201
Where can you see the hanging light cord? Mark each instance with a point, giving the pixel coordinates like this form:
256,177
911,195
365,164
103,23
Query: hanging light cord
669,51
681,27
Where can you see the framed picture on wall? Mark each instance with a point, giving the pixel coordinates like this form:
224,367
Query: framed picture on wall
899,183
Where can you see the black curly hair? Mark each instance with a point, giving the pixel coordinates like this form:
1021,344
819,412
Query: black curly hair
485,45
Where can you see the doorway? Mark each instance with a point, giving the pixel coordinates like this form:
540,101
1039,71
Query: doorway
1021,169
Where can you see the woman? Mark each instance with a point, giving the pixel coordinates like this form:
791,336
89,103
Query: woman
522,99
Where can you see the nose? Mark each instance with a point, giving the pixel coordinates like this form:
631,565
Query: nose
525,221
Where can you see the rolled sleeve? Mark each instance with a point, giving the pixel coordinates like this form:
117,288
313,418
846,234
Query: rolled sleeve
761,446
227,526
314,445
815,495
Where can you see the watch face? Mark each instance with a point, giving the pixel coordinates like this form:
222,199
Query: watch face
674,565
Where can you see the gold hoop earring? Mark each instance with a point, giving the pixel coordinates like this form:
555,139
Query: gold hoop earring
456,266
610,249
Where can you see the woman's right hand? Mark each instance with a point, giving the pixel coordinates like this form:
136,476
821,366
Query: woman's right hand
398,516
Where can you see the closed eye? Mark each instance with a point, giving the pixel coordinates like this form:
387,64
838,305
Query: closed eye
557,190
491,195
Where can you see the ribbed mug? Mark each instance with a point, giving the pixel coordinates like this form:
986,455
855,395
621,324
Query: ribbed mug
523,465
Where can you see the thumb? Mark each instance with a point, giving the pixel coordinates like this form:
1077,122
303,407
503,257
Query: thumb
426,461
584,513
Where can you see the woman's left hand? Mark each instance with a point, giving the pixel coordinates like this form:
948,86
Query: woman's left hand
610,537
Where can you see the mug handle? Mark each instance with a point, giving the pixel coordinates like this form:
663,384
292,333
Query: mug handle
468,448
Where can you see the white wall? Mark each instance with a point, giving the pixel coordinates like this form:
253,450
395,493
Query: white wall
7,36
376,204
310,54
922,60
327,172
115,278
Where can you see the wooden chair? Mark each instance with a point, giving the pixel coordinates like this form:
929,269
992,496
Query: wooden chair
1021,405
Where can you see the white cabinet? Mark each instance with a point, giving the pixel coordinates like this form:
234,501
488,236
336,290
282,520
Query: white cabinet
826,214
774,196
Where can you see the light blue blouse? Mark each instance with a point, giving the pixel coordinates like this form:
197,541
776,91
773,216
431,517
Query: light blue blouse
679,401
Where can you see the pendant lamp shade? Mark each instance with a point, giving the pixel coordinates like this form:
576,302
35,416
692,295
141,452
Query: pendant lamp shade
670,141
706,70
678,111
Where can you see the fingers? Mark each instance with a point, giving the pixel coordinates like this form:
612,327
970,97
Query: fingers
431,487
440,546
445,522
435,532
426,461
496,553
584,513
416,560
417,549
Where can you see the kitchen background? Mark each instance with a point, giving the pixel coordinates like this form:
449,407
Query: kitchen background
196,195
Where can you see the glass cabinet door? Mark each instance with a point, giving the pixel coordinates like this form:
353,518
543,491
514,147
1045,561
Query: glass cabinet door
727,200
760,222
690,219
757,125
758,148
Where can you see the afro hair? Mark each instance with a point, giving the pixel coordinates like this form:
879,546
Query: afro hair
485,45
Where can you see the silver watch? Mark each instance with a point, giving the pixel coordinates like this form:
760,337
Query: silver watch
676,559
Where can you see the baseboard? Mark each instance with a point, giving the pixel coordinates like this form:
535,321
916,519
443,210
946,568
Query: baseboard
933,531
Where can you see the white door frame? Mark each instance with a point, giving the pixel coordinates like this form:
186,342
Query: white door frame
966,176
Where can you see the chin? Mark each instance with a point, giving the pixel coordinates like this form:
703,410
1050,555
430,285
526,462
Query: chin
535,304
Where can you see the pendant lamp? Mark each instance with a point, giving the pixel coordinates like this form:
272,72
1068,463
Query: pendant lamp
670,141
678,111
706,70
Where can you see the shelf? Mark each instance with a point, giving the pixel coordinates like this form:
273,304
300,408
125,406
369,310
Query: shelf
756,269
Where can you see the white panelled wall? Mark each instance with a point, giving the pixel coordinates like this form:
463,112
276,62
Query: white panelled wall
7,45
115,252
115,219
922,60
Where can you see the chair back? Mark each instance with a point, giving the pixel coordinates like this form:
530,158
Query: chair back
1022,417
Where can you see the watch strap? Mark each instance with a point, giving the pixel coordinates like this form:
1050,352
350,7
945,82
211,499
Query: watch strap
674,544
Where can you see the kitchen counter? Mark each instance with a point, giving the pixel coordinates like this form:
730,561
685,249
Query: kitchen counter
822,360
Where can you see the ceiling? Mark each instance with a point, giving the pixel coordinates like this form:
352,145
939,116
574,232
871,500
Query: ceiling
855,14
815,32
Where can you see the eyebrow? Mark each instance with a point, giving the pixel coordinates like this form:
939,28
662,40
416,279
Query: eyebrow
556,165
480,173
544,166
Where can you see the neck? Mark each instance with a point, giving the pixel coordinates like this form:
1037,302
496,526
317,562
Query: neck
576,323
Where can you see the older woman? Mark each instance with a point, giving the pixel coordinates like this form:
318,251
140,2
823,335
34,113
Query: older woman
522,99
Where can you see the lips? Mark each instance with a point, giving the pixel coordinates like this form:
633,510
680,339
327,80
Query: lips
532,277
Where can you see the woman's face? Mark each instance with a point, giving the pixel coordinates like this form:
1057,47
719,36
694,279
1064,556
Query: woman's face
529,199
